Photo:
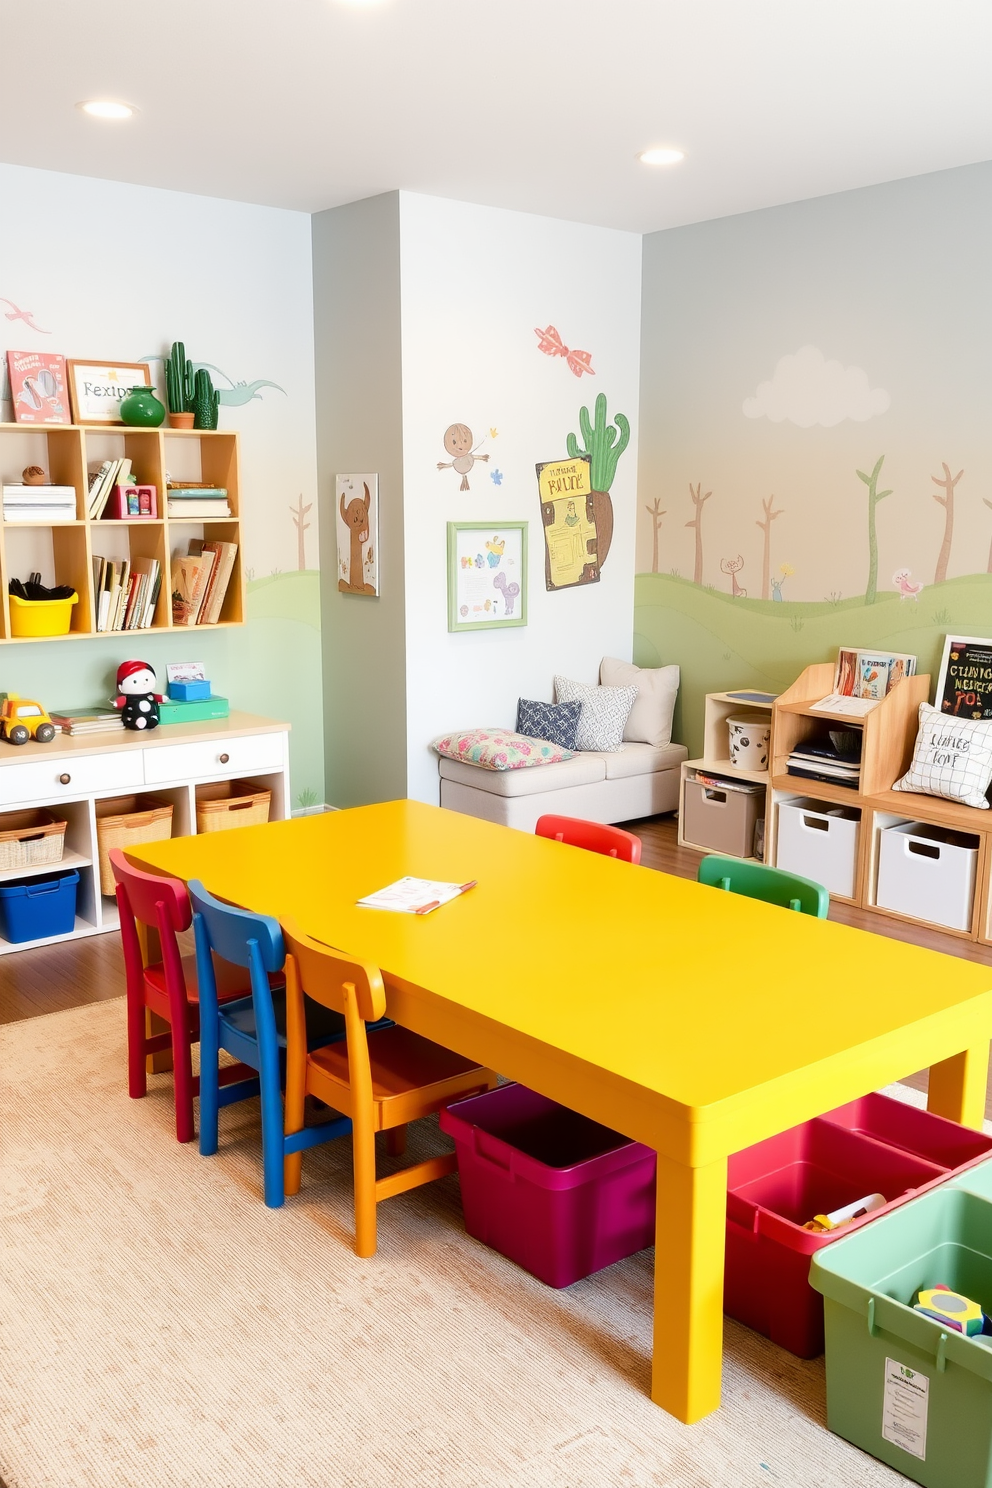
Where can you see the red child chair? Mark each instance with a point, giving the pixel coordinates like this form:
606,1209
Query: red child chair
166,986
612,842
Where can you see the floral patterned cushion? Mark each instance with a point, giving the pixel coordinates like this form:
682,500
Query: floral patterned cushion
499,749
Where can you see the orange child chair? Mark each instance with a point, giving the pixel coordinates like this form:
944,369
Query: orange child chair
612,842
381,1077
153,906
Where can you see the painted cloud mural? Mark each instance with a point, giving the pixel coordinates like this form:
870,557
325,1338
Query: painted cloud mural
807,389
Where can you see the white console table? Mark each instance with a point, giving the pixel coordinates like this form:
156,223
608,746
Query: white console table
69,775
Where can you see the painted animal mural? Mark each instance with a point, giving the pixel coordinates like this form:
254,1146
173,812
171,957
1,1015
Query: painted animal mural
356,518
732,567
459,443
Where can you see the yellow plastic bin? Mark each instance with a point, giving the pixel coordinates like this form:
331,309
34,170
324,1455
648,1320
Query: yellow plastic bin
41,617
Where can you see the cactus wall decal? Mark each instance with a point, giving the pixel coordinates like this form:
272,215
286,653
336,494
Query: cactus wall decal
604,443
205,401
179,380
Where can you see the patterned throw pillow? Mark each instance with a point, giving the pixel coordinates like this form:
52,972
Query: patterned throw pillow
952,759
499,749
555,722
604,713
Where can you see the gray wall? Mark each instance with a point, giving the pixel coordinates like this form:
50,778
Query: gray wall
356,284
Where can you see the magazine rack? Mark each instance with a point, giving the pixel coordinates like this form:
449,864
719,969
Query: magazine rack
63,552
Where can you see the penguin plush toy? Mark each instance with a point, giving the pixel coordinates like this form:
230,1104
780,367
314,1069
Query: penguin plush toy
137,695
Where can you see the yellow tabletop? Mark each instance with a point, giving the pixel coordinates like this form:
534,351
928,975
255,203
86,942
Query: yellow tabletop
690,1019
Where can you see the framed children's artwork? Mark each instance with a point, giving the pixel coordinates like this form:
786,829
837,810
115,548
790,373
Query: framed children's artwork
568,515
37,387
487,575
964,682
356,510
97,389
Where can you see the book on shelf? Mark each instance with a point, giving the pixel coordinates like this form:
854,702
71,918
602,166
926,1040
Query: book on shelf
870,674
39,504
125,592
208,510
190,577
220,577
195,488
38,387
102,482
101,720
829,759
723,782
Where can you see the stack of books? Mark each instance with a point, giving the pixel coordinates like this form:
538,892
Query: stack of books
200,579
827,761
125,592
39,504
77,721
102,482
197,501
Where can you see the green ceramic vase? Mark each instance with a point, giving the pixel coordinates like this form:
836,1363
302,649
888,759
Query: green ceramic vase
141,409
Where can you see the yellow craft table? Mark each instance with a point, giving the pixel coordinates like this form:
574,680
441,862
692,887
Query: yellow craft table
690,1019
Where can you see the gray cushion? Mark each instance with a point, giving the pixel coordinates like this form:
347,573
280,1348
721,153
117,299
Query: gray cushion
581,769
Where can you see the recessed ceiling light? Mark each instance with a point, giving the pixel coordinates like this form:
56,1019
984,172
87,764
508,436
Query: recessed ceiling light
661,155
107,108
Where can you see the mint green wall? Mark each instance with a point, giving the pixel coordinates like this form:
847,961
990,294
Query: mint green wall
356,278
893,284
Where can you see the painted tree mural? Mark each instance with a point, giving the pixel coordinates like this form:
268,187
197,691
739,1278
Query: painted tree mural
947,502
766,551
302,526
656,515
698,502
874,497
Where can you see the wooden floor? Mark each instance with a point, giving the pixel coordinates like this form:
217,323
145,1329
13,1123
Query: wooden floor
83,971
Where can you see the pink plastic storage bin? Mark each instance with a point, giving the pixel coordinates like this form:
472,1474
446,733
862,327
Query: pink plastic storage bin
872,1145
550,1189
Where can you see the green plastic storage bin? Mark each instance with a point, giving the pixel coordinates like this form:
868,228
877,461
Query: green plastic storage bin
976,1180
900,1386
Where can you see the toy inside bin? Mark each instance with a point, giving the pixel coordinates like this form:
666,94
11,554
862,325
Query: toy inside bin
40,617
550,1189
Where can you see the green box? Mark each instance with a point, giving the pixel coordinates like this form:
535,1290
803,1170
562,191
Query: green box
195,712
886,1362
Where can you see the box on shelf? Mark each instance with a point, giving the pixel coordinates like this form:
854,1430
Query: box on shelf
190,691
131,501
819,841
171,711
550,1189
899,1385
722,818
224,804
29,839
124,822
927,872
36,908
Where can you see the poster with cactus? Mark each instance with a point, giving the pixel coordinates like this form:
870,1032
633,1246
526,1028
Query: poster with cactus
603,441
568,518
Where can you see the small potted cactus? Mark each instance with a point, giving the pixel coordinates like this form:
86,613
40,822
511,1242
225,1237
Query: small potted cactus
179,388
206,401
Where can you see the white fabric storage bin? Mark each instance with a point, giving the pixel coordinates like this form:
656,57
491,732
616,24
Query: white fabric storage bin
927,872
819,841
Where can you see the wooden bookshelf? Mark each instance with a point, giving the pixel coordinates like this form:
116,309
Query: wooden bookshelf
63,551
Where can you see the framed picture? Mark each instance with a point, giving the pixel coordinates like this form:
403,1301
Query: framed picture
487,575
356,516
37,387
964,682
98,388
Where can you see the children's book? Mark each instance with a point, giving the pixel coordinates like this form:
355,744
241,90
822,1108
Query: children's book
37,387
414,895
869,674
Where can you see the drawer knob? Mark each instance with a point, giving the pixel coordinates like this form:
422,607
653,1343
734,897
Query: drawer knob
225,759
64,779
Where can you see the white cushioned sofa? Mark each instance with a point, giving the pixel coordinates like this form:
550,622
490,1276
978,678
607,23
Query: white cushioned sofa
623,765
640,780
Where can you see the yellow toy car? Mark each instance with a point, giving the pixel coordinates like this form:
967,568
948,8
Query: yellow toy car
21,720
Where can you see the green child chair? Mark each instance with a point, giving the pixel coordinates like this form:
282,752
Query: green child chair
759,881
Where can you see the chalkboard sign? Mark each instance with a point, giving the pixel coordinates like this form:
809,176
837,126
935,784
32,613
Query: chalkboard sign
964,683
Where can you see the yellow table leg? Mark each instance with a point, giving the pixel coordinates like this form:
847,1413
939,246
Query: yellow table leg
688,1288
958,1086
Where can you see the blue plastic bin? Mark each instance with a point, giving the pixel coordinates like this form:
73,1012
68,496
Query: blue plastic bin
189,692
34,908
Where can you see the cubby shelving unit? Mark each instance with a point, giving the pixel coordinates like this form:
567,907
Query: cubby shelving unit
720,707
889,735
63,551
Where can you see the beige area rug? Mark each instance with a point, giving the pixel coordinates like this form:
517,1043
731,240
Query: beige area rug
160,1328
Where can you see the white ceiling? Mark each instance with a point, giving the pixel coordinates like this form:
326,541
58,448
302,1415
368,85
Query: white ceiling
539,105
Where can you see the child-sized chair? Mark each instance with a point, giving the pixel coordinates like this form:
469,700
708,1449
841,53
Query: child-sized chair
759,881
382,1077
612,842
160,980
248,1029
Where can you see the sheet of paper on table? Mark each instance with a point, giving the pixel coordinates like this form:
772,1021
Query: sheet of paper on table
413,895
838,702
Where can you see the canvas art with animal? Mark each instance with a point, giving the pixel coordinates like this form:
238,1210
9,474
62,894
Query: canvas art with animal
358,538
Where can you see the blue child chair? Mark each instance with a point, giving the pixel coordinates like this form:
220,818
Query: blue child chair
249,1028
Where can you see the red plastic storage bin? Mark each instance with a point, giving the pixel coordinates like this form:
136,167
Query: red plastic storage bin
550,1189
872,1145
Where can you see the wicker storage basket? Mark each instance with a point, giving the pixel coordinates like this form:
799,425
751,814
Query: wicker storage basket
124,822
231,803
29,838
